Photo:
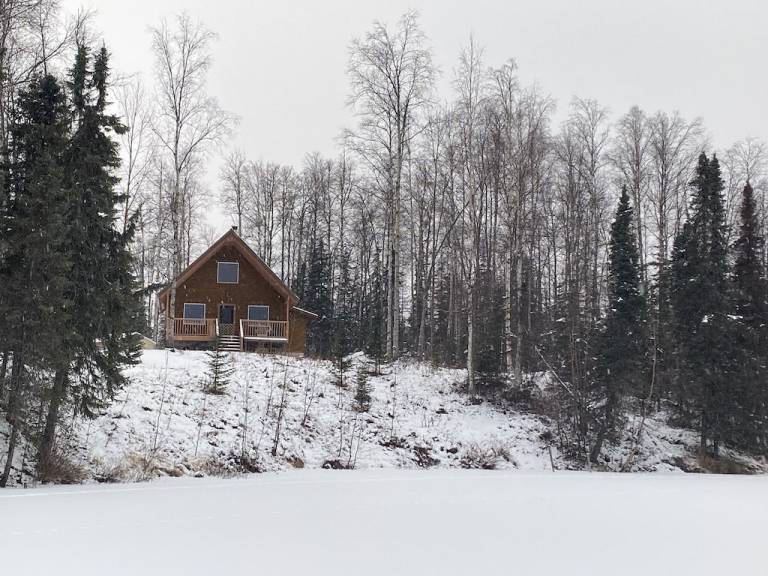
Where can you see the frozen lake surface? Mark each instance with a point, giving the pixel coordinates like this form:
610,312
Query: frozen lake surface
392,522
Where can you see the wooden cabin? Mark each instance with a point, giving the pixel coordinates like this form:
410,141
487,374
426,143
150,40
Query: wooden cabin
230,296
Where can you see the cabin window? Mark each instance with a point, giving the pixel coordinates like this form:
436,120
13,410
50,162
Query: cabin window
228,273
258,312
194,311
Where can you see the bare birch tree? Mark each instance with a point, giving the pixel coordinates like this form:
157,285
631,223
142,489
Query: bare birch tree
234,176
187,121
391,75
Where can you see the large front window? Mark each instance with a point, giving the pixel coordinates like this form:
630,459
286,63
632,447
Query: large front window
194,311
258,312
228,273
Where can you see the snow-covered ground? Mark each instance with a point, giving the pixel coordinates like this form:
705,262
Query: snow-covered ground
162,424
164,416
393,522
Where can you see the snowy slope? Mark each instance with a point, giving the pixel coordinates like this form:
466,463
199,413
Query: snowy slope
163,424
393,522
165,416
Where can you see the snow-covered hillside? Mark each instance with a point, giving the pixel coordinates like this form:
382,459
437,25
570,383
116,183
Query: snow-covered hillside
162,424
417,417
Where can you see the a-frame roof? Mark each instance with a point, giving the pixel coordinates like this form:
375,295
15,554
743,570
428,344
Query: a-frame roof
232,238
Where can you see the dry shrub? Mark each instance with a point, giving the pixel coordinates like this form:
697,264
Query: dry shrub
394,442
135,467
295,461
336,464
708,464
424,456
723,465
484,457
230,464
60,470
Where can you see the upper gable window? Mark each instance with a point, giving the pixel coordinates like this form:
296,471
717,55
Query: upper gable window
228,273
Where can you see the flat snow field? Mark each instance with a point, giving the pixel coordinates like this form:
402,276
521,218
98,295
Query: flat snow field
392,522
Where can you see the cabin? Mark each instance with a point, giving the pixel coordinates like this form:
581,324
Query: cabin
230,297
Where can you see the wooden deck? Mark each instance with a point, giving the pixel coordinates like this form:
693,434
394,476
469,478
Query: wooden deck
265,330
208,329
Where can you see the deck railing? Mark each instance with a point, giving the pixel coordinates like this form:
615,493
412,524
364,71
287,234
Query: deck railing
264,329
194,328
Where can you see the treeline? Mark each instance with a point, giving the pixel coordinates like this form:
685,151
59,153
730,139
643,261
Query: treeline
479,234
69,300
476,232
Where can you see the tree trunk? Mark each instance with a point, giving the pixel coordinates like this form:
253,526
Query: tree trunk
519,321
3,371
509,355
15,407
9,456
471,340
49,432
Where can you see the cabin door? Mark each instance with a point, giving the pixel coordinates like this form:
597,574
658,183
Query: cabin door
227,320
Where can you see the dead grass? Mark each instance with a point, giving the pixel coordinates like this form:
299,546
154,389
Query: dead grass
61,470
484,457
723,465
230,465
135,467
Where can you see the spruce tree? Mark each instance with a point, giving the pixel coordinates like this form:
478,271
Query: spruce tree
346,329
362,390
103,311
318,297
220,370
621,348
344,323
490,318
748,273
35,270
703,326
751,310
373,315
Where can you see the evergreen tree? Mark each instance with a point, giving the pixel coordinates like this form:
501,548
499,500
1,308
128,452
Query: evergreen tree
490,321
220,370
362,391
35,271
373,315
103,311
750,288
318,297
346,329
748,273
703,328
621,347
344,322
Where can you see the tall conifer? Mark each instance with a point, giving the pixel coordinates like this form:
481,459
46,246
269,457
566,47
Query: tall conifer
103,309
703,326
621,349
750,422
35,269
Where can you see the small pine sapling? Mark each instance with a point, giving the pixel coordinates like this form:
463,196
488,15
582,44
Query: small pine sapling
340,368
220,370
362,391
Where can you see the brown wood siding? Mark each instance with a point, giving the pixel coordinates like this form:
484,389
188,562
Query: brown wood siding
252,288
297,336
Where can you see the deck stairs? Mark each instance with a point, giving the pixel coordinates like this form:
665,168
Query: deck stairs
230,343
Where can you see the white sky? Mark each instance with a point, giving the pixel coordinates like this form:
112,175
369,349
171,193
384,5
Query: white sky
281,66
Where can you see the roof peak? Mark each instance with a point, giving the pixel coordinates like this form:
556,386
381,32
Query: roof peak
249,252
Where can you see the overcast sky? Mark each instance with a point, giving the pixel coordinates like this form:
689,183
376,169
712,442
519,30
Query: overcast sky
281,65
